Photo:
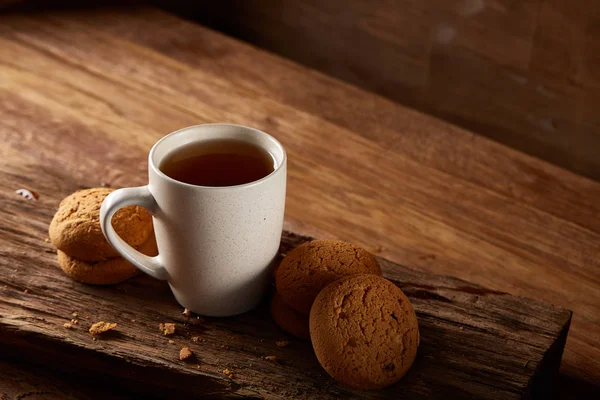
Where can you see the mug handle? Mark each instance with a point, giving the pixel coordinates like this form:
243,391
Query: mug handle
138,196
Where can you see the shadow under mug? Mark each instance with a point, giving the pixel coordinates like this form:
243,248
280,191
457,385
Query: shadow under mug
216,244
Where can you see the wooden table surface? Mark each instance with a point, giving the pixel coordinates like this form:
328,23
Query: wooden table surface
80,84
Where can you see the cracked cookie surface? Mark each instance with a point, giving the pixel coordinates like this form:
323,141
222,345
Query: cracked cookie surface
364,331
307,269
75,229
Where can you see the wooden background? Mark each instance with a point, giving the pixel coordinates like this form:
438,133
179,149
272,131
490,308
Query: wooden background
525,73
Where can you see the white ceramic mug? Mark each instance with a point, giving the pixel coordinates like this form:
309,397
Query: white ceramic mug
216,244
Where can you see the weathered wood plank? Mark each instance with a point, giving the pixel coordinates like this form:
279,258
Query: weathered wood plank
474,342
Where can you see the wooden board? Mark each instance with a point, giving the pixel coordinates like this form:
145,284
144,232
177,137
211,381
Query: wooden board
84,95
474,342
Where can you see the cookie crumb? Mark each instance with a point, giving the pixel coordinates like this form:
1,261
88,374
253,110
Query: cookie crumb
104,184
101,327
26,291
185,353
75,315
171,341
167,328
282,343
187,313
74,321
133,320
227,372
377,250
47,240
94,339
196,339
68,325
199,318
28,194
271,358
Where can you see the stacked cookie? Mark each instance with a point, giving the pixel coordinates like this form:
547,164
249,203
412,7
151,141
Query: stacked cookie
83,252
305,271
363,328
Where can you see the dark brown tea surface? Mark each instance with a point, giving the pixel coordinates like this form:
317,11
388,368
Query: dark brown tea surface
218,162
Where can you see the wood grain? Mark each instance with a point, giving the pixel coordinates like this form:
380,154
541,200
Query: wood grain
521,72
20,380
475,342
84,95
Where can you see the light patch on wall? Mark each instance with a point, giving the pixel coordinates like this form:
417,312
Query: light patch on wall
541,89
444,34
468,8
522,80
546,124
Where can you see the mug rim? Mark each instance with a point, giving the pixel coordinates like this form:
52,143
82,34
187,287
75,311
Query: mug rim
161,174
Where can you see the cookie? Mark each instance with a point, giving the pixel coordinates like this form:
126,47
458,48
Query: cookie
307,269
75,228
289,319
107,272
364,331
